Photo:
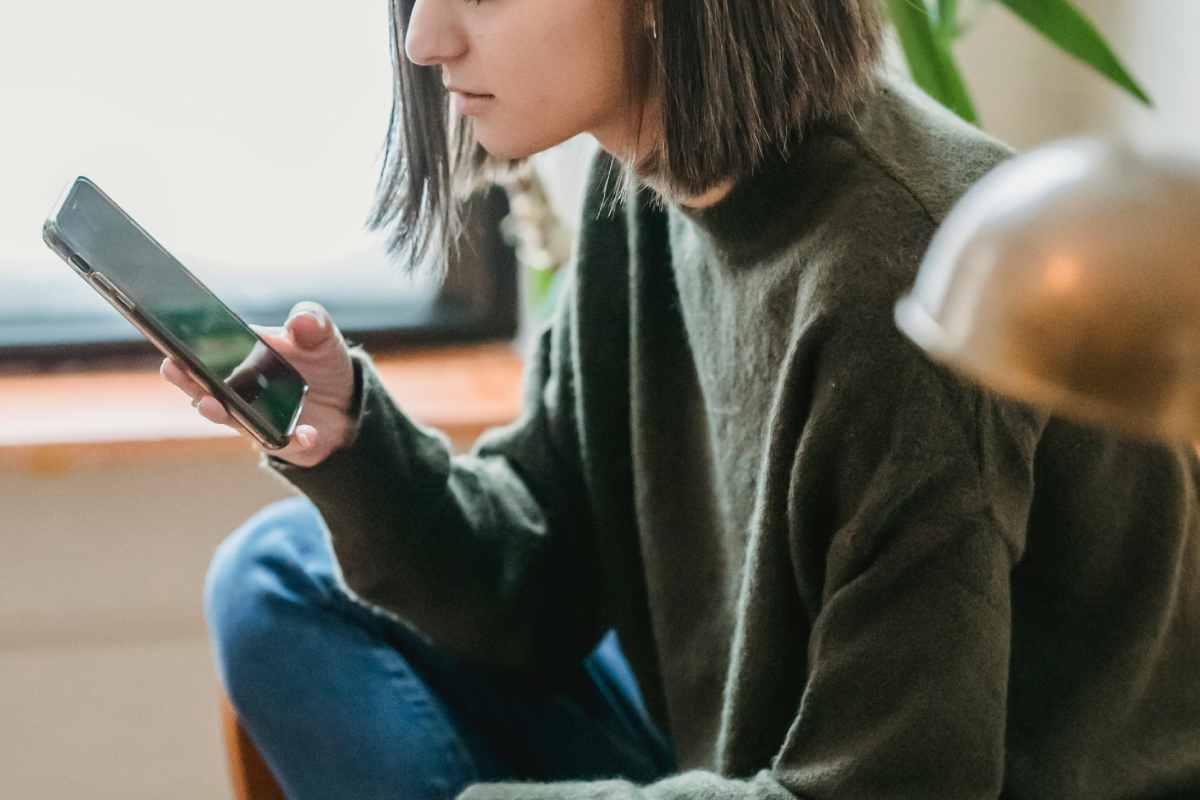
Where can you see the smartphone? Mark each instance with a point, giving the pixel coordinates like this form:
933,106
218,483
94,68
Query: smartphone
176,312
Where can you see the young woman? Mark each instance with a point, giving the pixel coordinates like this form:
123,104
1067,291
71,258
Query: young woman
834,569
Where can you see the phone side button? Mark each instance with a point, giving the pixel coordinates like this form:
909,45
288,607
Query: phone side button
113,290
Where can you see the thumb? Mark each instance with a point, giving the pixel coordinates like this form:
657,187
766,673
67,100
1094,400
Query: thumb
306,435
309,325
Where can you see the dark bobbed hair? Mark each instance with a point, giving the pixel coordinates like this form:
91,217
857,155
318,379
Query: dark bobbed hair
738,80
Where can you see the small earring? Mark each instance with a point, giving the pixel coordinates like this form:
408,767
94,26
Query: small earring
653,29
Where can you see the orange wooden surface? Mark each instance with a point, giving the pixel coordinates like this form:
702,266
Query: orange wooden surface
57,422
249,775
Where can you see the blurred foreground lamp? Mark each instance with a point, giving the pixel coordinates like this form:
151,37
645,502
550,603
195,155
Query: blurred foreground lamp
1069,277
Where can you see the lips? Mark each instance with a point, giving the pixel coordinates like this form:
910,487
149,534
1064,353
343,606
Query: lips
471,105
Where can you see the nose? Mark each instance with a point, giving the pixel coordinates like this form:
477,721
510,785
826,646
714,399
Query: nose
434,35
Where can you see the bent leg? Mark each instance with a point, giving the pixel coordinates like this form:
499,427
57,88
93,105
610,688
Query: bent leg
345,702
335,709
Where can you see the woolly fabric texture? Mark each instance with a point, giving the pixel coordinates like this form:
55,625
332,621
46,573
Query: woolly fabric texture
836,569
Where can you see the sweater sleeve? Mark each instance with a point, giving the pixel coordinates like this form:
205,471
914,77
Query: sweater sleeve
917,487
910,489
488,554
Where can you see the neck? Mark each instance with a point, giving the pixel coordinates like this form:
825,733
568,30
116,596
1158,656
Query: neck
645,162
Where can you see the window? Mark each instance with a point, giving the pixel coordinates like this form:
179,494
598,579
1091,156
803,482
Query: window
247,138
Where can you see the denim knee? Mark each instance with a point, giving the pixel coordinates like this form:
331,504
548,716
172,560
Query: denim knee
314,677
273,564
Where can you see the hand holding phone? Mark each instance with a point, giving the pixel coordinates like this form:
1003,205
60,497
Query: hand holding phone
310,341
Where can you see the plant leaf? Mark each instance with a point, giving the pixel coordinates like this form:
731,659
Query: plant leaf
1068,28
947,19
929,57
544,287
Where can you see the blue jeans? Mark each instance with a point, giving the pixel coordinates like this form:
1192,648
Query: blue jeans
343,701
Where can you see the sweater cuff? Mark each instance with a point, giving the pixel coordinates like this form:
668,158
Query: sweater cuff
692,785
596,790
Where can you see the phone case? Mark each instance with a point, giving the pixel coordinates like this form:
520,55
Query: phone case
267,435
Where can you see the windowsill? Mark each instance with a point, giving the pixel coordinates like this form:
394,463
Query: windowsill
53,423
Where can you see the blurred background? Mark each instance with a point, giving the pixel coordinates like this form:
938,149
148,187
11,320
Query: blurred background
247,138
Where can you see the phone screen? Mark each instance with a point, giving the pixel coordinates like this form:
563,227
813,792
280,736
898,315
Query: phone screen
108,241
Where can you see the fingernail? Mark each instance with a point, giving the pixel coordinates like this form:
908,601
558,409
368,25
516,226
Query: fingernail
320,320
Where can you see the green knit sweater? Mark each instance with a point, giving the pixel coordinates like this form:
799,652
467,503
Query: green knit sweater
837,570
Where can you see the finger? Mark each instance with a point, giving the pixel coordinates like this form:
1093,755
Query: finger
175,374
211,409
305,436
308,325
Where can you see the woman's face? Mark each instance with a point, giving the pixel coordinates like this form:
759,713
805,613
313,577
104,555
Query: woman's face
550,69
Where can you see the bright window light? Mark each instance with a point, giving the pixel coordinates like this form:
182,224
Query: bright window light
246,137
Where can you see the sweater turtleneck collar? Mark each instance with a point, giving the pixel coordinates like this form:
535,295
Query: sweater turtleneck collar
761,211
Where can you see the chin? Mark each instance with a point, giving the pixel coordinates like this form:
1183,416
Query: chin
498,147
513,148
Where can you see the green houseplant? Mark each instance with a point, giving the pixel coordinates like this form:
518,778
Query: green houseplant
927,30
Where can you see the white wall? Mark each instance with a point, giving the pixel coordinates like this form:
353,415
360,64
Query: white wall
106,684
1162,35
